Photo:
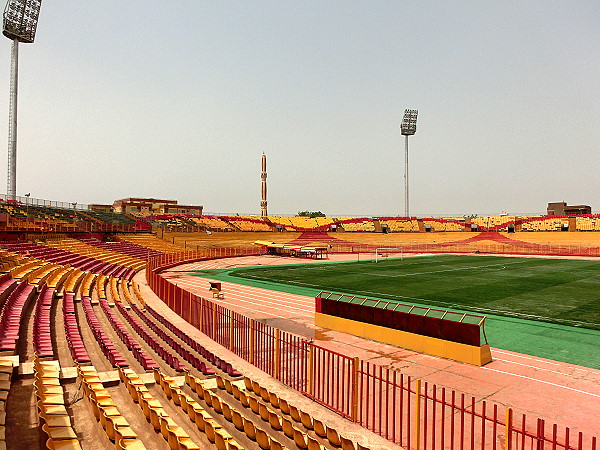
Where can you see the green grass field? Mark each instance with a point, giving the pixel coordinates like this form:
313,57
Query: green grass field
559,291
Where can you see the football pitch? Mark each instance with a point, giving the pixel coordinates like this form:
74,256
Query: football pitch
560,291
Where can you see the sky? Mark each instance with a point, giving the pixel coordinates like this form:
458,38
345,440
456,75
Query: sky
179,99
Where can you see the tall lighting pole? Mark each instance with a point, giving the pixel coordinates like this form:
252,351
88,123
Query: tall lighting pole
19,25
408,127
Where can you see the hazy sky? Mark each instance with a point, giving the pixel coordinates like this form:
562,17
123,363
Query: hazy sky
178,99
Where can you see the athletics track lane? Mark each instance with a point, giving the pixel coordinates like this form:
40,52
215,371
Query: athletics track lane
558,392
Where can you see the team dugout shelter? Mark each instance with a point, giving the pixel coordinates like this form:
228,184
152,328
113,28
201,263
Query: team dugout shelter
297,251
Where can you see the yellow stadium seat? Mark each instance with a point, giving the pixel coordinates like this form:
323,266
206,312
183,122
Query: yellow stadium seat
347,444
306,420
250,429
275,421
263,440
300,439
319,428
237,419
287,427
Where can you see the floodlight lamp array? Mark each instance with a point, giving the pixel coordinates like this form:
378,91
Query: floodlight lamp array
21,19
408,127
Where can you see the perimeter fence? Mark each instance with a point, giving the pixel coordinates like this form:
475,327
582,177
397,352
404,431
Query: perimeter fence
410,412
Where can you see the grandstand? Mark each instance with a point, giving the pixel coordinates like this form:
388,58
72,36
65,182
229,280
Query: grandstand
248,223
36,217
545,223
128,334
399,224
150,242
361,224
588,223
212,223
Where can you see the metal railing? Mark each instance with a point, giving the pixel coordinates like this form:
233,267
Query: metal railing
31,201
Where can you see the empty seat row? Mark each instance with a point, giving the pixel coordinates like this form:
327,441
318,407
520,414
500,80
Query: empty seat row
72,332
55,421
62,256
12,310
93,259
138,295
157,346
101,286
126,294
10,260
107,346
175,435
106,411
203,419
126,248
22,271
268,399
207,354
73,280
176,346
42,337
150,242
87,284
38,276
57,279
277,423
7,285
242,423
196,362
130,342
114,291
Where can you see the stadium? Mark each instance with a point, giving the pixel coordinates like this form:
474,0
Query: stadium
115,309
147,323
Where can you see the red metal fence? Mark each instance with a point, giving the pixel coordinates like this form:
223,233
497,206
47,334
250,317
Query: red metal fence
406,411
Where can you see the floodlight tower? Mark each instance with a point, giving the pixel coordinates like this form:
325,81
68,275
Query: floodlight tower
20,23
408,127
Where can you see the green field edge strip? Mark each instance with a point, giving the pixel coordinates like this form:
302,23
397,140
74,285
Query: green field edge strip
574,345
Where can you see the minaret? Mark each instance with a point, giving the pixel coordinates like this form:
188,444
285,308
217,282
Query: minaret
263,190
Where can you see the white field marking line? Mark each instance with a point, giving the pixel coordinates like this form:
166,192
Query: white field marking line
266,294
533,367
500,267
245,308
299,300
263,300
193,264
542,381
281,300
260,300
517,355
255,307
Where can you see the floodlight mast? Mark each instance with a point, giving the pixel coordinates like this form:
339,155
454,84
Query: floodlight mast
408,127
19,25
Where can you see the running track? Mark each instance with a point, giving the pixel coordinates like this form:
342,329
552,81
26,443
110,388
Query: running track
561,393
